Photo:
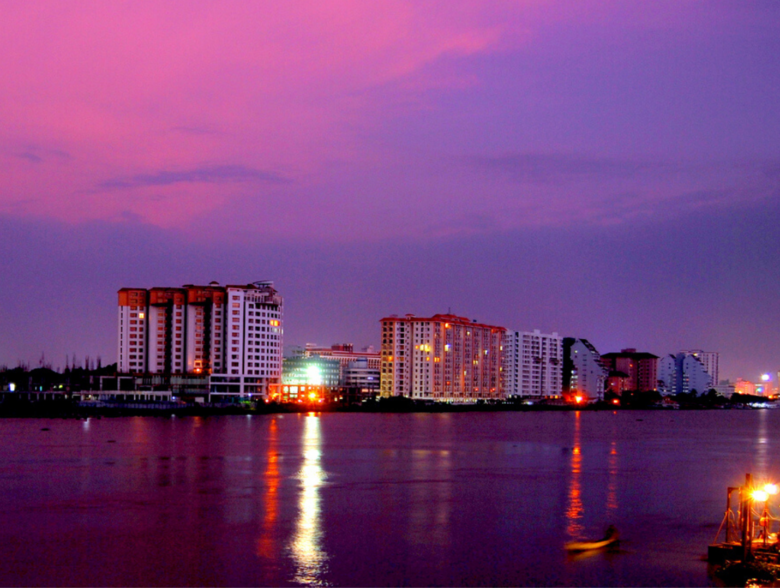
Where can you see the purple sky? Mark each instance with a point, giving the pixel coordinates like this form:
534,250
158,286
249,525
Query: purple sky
606,170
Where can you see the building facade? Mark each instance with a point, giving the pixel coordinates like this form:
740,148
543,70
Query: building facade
682,374
533,364
232,334
667,375
583,372
345,354
314,371
359,374
442,358
640,369
709,359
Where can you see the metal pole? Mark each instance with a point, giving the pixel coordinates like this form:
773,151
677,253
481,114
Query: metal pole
766,520
728,513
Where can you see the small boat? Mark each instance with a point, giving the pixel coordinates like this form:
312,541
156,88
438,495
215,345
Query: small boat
611,537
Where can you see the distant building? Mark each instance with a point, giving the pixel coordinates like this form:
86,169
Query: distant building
744,387
762,388
443,358
618,382
708,359
583,372
667,375
682,374
533,364
358,374
232,334
640,368
345,354
725,388
312,371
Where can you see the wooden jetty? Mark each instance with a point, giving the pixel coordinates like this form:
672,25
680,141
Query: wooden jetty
749,531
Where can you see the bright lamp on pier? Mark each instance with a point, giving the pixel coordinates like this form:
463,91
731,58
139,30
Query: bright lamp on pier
771,489
760,496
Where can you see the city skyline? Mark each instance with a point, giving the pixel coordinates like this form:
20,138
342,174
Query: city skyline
604,170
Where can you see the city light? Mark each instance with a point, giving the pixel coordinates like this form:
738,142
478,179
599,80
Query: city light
766,378
313,375
771,489
760,496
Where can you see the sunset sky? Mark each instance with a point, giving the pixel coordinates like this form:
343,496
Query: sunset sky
606,170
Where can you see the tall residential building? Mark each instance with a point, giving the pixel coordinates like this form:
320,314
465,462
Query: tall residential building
639,368
583,372
667,375
533,364
233,334
443,357
132,330
709,359
682,373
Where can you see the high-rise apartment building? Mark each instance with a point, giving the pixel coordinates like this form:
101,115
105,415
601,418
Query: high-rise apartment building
639,369
233,334
443,358
681,374
533,363
709,359
583,372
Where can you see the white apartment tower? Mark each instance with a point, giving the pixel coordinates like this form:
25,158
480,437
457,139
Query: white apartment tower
443,358
709,359
533,364
233,334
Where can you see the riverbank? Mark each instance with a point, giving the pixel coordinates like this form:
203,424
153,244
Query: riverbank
65,408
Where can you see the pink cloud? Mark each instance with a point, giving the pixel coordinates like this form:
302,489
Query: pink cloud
203,116
129,89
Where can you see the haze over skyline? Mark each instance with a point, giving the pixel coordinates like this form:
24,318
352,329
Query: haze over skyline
606,170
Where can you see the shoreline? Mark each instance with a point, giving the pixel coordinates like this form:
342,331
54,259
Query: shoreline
66,410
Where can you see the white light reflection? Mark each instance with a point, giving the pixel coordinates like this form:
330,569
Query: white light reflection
306,547
762,447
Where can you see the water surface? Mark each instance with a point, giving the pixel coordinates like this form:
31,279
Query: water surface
372,499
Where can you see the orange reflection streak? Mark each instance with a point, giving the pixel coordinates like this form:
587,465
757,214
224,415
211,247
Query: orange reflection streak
612,468
575,509
265,544
140,427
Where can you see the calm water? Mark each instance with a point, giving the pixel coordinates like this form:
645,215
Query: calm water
365,499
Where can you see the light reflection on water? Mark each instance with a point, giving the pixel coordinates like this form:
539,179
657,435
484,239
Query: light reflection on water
372,499
612,470
762,447
266,546
306,548
575,509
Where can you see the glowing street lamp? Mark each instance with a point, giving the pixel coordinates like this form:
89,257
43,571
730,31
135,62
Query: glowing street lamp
760,496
